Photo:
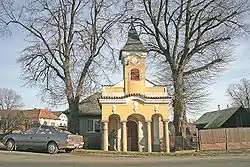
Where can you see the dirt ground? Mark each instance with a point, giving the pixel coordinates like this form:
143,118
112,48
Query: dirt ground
28,159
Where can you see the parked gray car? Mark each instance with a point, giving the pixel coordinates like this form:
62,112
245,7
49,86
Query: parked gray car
43,138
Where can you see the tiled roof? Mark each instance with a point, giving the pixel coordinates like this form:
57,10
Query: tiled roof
137,95
9,112
33,114
57,113
47,115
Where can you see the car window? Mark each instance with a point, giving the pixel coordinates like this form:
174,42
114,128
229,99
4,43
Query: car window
59,130
31,131
44,131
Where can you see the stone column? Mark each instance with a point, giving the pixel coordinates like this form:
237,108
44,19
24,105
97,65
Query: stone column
156,142
124,136
118,136
149,136
166,136
140,136
105,136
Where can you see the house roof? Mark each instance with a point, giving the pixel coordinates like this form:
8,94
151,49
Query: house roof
57,113
47,115
216,119
9,112
207,117
90,105
133,42
34,114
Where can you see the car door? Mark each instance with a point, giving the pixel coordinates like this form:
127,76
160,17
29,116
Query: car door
25,141
42,137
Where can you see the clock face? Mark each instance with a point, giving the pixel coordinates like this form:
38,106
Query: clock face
134,60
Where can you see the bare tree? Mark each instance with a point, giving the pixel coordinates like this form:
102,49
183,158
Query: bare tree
70,42
193,37
11,120
10,99
195,89
240,93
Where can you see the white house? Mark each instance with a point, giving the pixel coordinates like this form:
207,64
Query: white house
63,119
41,116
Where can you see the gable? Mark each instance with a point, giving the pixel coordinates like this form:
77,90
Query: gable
120,84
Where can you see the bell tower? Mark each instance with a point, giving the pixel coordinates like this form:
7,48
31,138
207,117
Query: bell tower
133,58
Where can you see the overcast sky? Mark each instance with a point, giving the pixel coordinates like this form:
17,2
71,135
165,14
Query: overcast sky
10,48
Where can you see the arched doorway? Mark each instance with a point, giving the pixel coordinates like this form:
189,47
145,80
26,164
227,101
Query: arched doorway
114,132
132,131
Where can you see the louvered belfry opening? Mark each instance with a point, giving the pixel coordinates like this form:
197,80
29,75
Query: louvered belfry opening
135,74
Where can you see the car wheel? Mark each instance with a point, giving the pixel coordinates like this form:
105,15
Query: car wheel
68,150
10,145
52,148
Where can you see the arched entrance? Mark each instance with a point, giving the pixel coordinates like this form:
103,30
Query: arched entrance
114,133
156,132
132,133
136,133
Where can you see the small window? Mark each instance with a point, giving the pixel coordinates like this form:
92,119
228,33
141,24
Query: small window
97,125
94,125
135,74
62,130
90,126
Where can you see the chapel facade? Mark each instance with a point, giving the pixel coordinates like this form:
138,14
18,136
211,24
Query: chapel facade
135,108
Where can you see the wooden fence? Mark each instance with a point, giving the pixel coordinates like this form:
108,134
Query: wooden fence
224,139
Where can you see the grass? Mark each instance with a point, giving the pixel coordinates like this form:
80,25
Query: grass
177,153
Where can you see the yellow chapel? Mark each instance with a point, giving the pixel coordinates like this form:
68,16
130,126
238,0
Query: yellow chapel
135,110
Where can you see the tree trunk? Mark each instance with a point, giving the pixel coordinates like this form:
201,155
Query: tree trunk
179,110
73,121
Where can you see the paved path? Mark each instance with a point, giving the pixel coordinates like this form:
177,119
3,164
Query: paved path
29,159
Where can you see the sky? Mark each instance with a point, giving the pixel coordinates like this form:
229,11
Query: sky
11,47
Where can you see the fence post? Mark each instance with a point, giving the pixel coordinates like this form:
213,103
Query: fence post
198,139
226,138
